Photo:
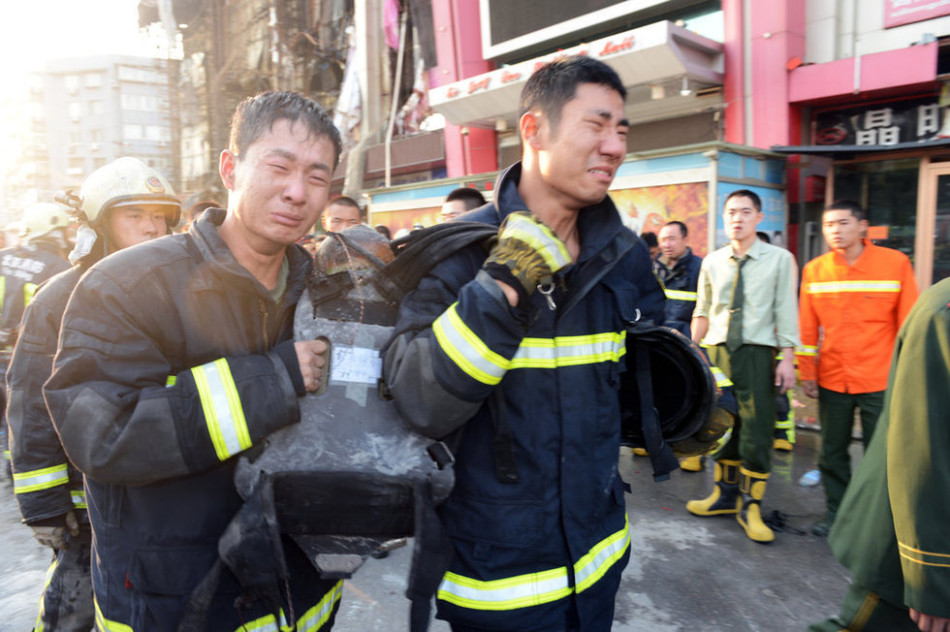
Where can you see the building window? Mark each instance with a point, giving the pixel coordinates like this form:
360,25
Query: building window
98,161
75,112
94,80
95,135
75,167
133,132
72,83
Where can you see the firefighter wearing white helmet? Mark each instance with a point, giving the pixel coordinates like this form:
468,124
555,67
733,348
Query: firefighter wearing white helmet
124,183
120,205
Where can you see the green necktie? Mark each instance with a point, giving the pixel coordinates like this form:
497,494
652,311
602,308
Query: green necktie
734,333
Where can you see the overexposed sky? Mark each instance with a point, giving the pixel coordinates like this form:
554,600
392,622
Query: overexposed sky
35,31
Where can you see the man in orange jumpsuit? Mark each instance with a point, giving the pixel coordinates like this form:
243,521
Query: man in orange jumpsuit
857,295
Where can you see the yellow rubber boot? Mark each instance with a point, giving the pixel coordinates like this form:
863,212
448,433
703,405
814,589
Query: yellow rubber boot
752,485
692,463
724,498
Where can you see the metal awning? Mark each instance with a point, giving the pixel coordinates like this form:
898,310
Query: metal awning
668,71
849,151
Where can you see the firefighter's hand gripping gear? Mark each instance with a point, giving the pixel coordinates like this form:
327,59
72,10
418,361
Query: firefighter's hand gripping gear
54,536
527,256
312,356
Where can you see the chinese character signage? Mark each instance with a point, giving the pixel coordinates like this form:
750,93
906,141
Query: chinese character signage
886,124
897,12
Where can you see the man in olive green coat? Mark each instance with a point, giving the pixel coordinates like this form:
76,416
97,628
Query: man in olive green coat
891,530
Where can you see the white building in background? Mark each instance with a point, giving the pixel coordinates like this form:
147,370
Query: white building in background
86,112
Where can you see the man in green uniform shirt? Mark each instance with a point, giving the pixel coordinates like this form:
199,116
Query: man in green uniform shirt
891,530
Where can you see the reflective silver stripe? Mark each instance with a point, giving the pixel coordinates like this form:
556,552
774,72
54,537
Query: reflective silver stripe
24,482
539,237
824,287
549,353
467,350
807,350
532,589
222,408
78,497
680,295
312,620
721,378
590,568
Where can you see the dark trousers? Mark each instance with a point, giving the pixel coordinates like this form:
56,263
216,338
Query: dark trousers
836,414
863,611
752,371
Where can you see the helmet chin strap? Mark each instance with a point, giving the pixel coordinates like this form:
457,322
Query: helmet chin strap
86,237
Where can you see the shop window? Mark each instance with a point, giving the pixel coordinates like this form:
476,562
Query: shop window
888,190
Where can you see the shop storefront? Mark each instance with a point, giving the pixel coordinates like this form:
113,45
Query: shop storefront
893,157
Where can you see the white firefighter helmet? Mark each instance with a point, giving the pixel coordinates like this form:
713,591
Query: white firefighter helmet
126,182
41,219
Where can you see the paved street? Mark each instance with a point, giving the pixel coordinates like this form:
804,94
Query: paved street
686,574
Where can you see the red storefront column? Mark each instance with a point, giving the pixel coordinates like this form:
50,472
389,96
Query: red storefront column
468,150
758,47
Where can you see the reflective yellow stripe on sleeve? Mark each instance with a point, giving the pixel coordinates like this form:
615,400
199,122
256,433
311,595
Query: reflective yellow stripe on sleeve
680,295
312,620
826,287
722,380
510,593
550,353
807,350
105,625
222,408
78,497
46,478
467,350
535,589
29,291
590,568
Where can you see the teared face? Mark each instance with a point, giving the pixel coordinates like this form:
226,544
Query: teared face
130,225
740,217
579,159
339,217
842,229
280,185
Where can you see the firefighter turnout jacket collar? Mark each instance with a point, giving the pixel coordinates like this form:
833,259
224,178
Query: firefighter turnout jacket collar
167,369
555,529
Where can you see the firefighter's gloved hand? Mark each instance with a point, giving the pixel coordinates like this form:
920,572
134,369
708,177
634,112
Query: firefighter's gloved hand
54,536
527,256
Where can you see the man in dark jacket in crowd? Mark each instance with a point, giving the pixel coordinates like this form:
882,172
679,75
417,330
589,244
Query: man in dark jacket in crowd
517,357
678,269
176,356
121,204
40,255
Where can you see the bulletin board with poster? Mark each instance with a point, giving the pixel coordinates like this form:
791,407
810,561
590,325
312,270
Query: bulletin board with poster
773,208
649,208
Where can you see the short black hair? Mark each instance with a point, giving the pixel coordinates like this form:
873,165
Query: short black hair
763,236
650,239
256,115
343,200
555,83
471,197
752,195
848,205
683,230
